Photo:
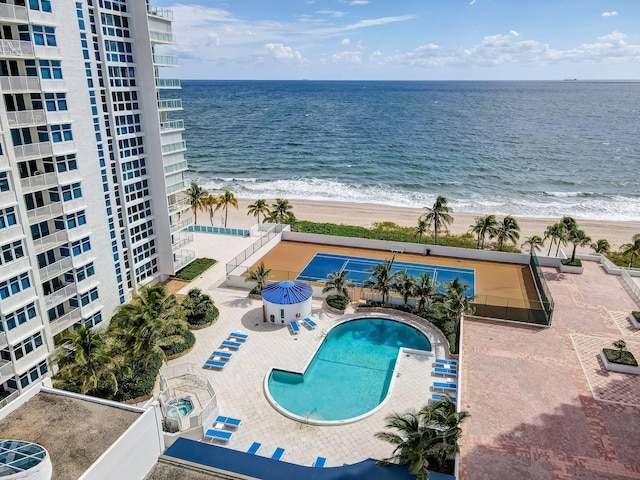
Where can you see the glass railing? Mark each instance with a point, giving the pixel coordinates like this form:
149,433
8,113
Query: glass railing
176,167
165,60
160,12
169,104
162,36
176,187
172,125
174,147
168,83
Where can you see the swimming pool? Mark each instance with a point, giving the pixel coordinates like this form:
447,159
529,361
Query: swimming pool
349,375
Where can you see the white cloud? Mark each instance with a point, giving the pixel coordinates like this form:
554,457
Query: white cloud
514,33
281,52
472,2
346,42
612,13
332,13
353,57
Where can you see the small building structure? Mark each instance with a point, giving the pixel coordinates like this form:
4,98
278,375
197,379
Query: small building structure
286,301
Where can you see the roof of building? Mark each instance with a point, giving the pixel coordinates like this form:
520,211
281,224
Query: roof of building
75,432
287,292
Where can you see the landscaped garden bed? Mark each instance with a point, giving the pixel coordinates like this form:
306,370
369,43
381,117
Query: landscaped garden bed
635,319
619,359
195,268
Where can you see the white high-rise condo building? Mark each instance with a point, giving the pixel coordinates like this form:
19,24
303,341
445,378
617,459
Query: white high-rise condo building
91,170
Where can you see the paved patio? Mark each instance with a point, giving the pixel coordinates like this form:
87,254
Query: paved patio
542,406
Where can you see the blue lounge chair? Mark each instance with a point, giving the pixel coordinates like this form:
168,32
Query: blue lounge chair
227,422
442,361
295,329
214,364
221,355
238,336
310,323
446,371
444,386
230,344
214,434
435,396
277,455
320,461
253,449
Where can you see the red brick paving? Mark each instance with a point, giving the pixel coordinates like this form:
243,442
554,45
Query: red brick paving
542,406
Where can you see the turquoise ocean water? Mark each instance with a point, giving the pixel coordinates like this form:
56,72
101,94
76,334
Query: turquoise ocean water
522,148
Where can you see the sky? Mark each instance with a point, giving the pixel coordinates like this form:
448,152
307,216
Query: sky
406,39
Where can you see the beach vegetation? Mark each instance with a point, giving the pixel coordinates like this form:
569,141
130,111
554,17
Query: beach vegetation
281,212
224,201
199,308
601,246
260,275
484,226
339,302
257,208
425,440
421,228
620,354
632,249
339,282
196,195
556,233
578,238
195,268
534,242
507,230
186,341
438,216
210,203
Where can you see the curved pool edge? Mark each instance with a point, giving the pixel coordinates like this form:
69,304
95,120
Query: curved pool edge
351,317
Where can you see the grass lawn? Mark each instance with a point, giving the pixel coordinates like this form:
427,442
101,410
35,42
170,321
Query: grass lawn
195,268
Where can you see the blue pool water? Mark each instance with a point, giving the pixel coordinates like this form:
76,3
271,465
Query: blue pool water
350,372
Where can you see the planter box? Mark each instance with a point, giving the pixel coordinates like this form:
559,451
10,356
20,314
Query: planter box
570,269
330,309
634,322
617,367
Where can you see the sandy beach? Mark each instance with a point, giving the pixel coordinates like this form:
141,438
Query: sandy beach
617,233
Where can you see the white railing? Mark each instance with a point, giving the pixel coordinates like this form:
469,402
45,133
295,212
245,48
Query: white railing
174,147
16,48
65,321
171,125
160,12
64,147
7,198
180,205
57,268
26,117
6,370
182,258
13,12
176,167
7,400
182,224
38,182
33,150
3,340
182,242
47,243
165,37
60,295
51,210
20,84
169,104
168,82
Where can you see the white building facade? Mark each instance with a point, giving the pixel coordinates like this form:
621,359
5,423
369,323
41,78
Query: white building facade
91,170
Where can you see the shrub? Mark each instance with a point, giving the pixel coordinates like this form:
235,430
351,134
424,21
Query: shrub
139,382
179,347
199,308
624,358
636,315
569,263
195,268
339,302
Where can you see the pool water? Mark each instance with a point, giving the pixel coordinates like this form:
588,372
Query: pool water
350,372
180,407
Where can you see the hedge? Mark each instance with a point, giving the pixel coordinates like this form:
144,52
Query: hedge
339,302
195,268
179,347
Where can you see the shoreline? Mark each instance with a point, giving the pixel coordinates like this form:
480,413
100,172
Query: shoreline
365,215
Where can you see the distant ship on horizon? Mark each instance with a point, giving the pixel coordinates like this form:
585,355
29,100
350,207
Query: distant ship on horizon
570,79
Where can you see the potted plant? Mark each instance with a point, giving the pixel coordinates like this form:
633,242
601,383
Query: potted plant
635,318
619,359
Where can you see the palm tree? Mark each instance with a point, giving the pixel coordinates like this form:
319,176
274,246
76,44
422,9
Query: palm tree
535,243
507,230
579,239
438,216
421,228
210,202
224,200
426,291
281,212
260,275
258,207
196,194
484,226
339,282
405,285
198,307
555,232
601,246
632,248
382,279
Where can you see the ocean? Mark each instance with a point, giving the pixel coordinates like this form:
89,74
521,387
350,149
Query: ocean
543,149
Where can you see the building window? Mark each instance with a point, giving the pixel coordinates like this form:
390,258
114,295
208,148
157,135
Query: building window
20,316
43,5
81,246
61,133
50,69
56,101
14,285
11,252
7,217
70,192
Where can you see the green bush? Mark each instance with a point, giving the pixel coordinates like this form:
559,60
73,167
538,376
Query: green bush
569,263
636,315
138,383
199,308
620,259
195,268
179,347
623,358
339,302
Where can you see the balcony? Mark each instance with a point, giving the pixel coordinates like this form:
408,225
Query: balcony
160,12
65,321
15,267
45,212
63,148
165,60
182,224
174,147
176,167
4,341
74,205
39,182
169,104
182,242
26,118
6,371
179,206
18,300
4,161
12,233
177,187
61,295
182,258
8,198
41,149
50,241
55,269
20,84
171,126
162,37
13,13
168,83
16,48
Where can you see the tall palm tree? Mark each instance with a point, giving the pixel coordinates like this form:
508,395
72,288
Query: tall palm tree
210,202
260,275
632,248
509,230
196,194
421,228
258,207
439,216
224,200
405,285
484,226
339,282
535,243
426,291
555,232
455,301
281,212
601,246
579,239
381,279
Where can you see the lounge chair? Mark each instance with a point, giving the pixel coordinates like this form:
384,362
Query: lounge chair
238,336
435,396
218,354
231,344
444,386
214,364
320,461
443,361
253,449
295,329
222,421
446,371
214,434
310,323
277,455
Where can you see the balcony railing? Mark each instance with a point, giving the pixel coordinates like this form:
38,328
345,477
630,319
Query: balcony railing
33,149
26,117
65,321
182,258
20,84
38,182
182,224
171,126
163,37
60,295
41,213
176,187
176,167
165,60
168,104
13,12
3,340
182,242
6,371
50,241
174,147
7,198
167,82
160,12
180,205
55,269
16,48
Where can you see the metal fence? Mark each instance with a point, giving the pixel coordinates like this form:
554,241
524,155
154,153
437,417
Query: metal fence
254,247
546,300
